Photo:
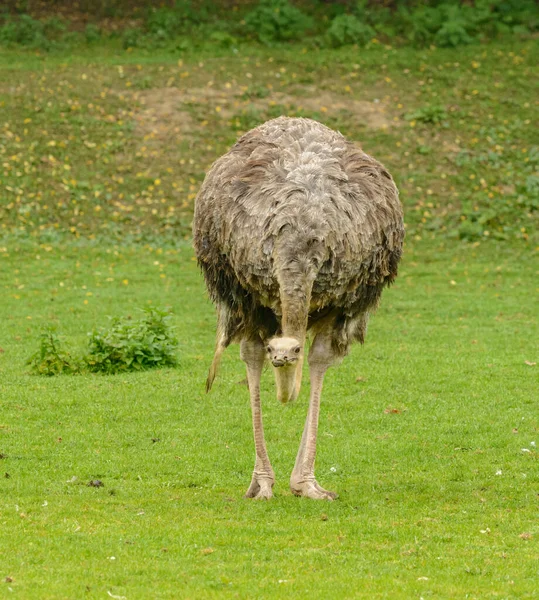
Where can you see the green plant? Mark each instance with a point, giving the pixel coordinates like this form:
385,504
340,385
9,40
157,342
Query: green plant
166,23
51,358
54,28
223,39
92,33
23,30
419,26
132,37
34,33
446,24
452,33
133,345
470,230
348,29
277,20
505,16
255,91
454,24
432,114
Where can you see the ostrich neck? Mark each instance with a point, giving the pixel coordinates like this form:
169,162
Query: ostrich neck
295,294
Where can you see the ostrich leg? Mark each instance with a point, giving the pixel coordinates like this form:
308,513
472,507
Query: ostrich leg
302,480
253,354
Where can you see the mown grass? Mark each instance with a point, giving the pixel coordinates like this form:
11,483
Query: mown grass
426,450
427,432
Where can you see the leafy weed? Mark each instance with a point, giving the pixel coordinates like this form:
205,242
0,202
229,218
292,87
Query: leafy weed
51,359
133,345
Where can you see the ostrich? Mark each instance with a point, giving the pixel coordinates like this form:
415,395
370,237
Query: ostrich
297,231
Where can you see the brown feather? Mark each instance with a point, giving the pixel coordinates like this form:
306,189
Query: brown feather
292,226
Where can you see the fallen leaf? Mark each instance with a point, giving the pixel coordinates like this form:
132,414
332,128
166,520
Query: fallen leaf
530,364
206,551
525,536
390,410
95,483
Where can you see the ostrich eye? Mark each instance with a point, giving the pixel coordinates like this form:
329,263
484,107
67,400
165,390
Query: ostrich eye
268,348
297,349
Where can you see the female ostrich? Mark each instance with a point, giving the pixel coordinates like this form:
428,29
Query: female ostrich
297,231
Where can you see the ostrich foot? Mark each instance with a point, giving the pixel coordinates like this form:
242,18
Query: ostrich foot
261,487
310,489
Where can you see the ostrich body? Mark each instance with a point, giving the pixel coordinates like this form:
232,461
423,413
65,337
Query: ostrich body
297,231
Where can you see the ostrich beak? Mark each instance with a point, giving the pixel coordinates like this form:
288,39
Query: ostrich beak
286,378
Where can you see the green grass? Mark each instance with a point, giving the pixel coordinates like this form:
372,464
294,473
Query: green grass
415,425
119,142
417,487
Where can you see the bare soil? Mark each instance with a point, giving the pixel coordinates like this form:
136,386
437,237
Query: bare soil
163,111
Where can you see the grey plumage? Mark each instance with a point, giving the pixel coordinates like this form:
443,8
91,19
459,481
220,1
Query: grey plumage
295,210
297,232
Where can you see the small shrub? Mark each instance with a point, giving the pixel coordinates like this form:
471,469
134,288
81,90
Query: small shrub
255,91
348,29
453,24
130,345
428,114
92,33
517,16
470,231
420,25
51,358
54,28
167,23
529,193
132,38
223,39
24,31
276,21
452,34
163,23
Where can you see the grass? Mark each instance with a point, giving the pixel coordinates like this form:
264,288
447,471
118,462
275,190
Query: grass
426,431
446,402
119,142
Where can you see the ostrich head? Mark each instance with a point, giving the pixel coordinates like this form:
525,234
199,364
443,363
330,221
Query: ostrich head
286,356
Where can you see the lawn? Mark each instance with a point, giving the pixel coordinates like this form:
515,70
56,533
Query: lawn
428,432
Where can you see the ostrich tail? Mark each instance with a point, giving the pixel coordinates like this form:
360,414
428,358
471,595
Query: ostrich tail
212,373
221,343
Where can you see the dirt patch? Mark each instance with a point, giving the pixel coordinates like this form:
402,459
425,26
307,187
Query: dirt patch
164,111
370,114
